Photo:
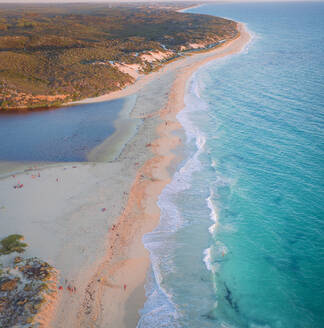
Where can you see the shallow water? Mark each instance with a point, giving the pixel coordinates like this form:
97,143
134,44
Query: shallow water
62,135
241,238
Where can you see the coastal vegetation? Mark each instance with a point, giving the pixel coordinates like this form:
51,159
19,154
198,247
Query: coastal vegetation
25,284
51,55
12,244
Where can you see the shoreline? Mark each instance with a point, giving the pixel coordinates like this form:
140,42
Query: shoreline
142,214
78,203
191,7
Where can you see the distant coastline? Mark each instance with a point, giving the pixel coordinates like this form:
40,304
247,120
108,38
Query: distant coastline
190,7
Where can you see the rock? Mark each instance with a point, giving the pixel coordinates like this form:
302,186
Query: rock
43,287
28,287
35,270
22,302
8,284
37,306
3,302
22,299
28,307
18,259
30,319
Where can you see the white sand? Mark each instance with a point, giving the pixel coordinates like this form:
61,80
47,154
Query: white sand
62,220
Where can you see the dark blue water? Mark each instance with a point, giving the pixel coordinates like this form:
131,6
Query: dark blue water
61,135
241,238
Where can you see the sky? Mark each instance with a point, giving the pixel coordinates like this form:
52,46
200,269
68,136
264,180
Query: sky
94,1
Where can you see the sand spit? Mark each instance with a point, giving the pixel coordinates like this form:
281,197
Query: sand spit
87,220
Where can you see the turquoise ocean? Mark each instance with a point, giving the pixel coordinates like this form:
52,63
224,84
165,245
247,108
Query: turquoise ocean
241,237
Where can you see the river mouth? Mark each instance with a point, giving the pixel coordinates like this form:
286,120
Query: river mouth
66,134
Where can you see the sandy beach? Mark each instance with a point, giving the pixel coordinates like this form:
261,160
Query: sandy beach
88,219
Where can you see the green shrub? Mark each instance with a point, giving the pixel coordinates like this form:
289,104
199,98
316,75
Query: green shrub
12,244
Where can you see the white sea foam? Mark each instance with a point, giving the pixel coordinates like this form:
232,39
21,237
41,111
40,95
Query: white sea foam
207,259
159,309
213,216
214,163
212,229
212,207
254,37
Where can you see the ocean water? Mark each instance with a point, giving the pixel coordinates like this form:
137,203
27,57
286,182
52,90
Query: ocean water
241,237
62,135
